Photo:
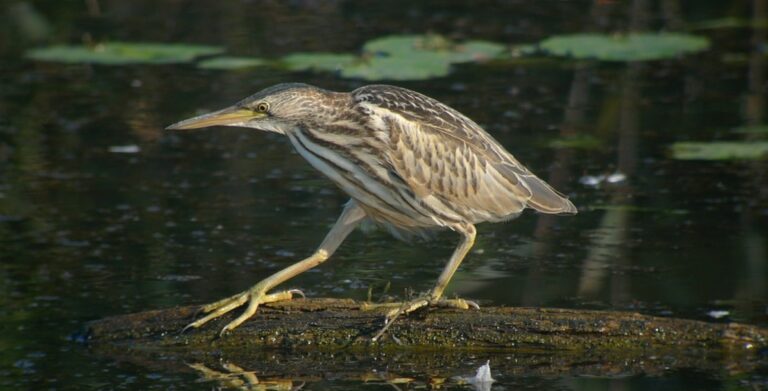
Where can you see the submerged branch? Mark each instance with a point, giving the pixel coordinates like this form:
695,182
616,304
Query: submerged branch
317,335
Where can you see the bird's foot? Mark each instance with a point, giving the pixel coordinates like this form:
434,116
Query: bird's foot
415,304
254,297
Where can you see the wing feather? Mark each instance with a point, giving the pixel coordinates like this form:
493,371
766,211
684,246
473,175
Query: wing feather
439,152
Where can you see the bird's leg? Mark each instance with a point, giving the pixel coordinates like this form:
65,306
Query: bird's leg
258,295
433,297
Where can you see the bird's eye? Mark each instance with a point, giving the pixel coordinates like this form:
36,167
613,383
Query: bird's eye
262,107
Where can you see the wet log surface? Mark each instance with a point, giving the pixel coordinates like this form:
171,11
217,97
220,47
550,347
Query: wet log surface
306,339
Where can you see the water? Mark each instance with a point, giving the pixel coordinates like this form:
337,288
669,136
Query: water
89,232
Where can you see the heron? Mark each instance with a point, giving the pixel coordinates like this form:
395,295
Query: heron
406,160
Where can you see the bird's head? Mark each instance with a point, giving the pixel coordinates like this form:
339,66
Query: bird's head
275,109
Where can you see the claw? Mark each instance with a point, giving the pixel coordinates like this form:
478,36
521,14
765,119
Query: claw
420,302
254,297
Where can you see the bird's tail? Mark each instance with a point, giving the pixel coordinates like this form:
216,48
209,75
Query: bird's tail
545,199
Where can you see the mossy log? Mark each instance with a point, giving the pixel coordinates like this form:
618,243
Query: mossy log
309,337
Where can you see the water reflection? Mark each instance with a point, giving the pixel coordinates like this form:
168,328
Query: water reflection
233,377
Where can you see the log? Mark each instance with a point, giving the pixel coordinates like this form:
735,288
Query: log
309,338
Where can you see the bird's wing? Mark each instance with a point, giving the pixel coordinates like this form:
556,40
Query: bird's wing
440,152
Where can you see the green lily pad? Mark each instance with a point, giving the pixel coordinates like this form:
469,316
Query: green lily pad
318,61
630,47
474,51
227,63
416,57
395,45
435,45
415,67
122,53
720,150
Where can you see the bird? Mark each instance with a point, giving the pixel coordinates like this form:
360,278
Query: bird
407,161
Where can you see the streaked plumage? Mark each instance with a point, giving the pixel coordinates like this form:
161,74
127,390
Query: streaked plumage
406,160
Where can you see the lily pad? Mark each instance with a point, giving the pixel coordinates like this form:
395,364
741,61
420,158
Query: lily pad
475,51
226,63
415,67
318,61
630,47
122,53
720,150
396,45
416,57
435,45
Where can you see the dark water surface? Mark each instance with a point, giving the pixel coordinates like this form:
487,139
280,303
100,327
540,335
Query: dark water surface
189,218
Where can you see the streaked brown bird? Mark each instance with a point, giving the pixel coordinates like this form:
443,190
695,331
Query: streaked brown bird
407,160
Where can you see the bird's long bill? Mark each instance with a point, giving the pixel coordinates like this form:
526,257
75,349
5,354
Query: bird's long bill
231,116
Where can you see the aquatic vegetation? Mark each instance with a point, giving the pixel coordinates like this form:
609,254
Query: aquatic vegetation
399,57
227,63
629,47
330,62
720,150
123,53
403,57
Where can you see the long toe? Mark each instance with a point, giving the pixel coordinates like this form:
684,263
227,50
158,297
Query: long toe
457,303
254,297
421,302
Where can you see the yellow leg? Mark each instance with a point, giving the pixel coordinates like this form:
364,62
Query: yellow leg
258,295
433,297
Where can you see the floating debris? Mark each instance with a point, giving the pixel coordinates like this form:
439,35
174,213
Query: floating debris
125,148
482,380
597,180
718,314
616,177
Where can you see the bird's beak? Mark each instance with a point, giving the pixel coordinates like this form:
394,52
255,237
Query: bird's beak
231,116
